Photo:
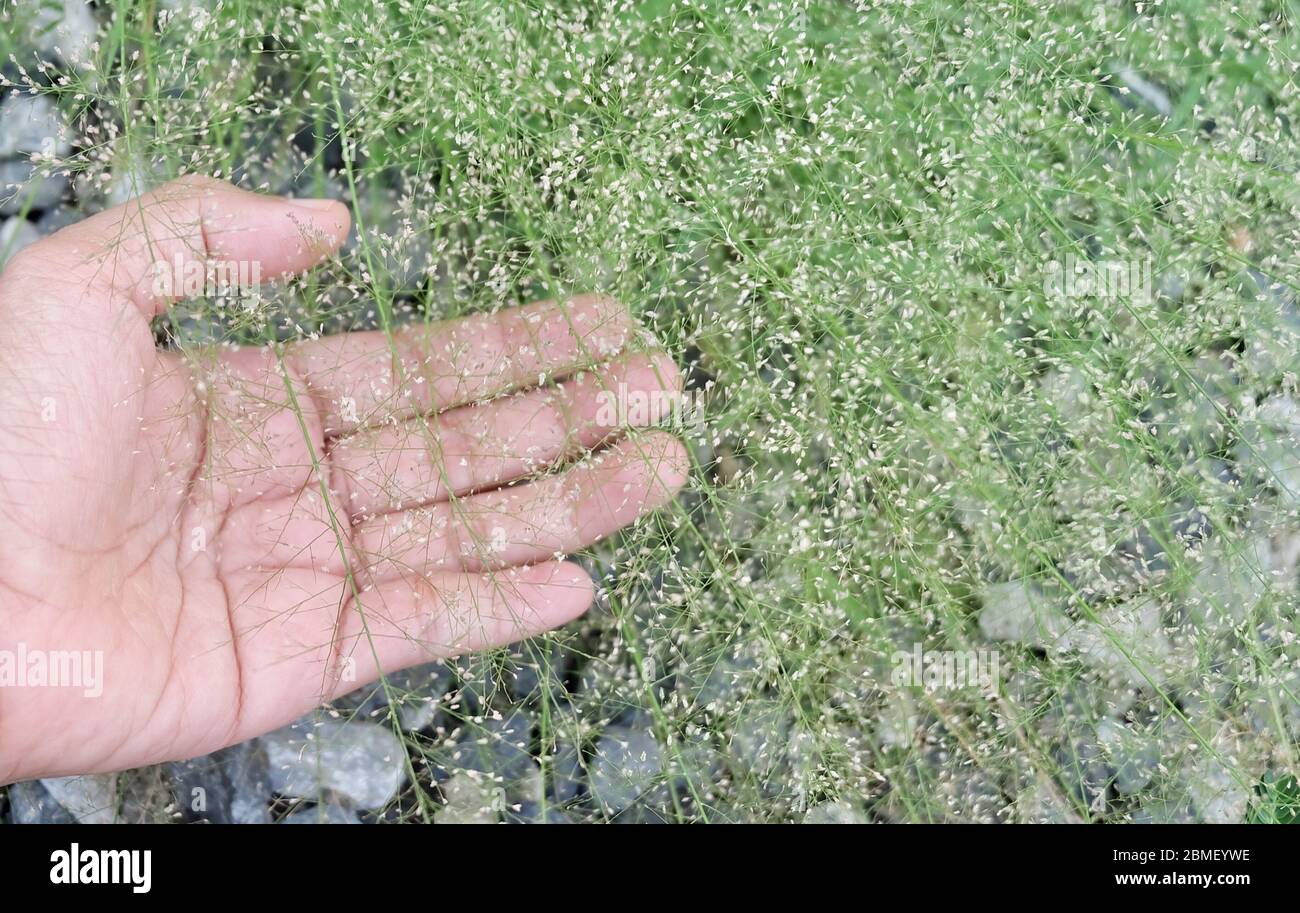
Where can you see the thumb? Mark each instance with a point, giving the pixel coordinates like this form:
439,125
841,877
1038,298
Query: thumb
144,251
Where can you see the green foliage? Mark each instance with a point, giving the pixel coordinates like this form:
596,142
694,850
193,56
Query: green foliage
842,218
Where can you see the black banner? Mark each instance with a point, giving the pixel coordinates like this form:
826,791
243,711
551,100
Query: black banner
130,862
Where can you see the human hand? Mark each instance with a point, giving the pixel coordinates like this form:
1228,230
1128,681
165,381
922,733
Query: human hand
243,534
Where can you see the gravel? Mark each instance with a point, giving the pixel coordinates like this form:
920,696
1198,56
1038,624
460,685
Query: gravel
568,778
1020,613
840,812
418,693
1227,588
627,764
1044,803
24,189
1271,447
31,803
1084,774
32,125
761,741
88,799
470,799
325,813
357,760
1215,794
498,747
15,234
232,786
64,31
1133,757
1164,811
1102,757
1127,644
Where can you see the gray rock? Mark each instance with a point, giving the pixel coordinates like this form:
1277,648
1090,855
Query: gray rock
897,721
325,813
191,331
626,766
417,694
31,803
1228,586
231,786
523,674
526,803
1132,628
89,799
470,799
24,189
1133,757
1164,811
32,125
1190,527
1272,327
58,218
532,813
1131,568
1195,414
1283,556
1085,774
401,252
695,768
717,683
498,747
1279,693
1215,794
567,777
760,740
15,234
131,179
606,692
1172,286
839,812
1020,613
64,31
972,796
1270,446
359,760
536,670
186,6
1043,803
1067,394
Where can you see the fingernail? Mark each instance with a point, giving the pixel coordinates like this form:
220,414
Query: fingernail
316,205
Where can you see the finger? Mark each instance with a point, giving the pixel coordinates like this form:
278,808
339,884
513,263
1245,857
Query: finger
367,379
150,249
522,524
301,637
281,523
424,460
419,618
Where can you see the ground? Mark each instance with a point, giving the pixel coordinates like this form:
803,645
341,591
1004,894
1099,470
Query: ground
987,314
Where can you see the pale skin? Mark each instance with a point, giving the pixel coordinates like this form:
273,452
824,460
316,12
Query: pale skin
247,533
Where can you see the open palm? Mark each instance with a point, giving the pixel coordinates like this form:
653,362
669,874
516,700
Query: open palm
245,533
